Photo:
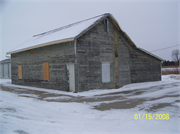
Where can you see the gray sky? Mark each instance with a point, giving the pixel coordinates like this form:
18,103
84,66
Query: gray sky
151,25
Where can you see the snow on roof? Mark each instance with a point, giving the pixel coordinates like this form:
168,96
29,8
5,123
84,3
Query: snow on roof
69,33
150,53
5,61
66,33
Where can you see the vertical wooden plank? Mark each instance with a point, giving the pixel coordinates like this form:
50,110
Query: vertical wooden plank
115,41
20,71
116,58
46,70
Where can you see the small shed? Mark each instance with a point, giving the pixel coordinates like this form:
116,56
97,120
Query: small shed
5,68
94,53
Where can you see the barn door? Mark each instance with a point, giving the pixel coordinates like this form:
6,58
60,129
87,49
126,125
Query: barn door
71,76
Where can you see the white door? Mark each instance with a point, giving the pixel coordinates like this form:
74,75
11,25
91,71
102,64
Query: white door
70,68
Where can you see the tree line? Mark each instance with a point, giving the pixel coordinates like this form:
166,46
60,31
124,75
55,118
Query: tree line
176,58
169,63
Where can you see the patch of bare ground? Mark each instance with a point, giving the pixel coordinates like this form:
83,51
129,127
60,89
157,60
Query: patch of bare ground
159,105
41,94
115,100
132,103
126,104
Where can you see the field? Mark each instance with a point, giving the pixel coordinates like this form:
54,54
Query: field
170,70
142,108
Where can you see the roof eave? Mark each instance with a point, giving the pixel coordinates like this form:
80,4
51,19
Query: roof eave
150,54
114,21
41,45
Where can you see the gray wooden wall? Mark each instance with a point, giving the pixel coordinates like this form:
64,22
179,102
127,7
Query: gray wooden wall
32,65
97,46
93,48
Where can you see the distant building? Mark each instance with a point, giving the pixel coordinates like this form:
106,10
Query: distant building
5,68
91,54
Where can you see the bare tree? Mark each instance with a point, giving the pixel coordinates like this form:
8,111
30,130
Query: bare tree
176,56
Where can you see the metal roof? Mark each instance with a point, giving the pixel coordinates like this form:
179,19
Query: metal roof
150,53
5,61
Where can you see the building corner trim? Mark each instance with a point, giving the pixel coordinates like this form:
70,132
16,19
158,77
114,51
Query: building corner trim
75,52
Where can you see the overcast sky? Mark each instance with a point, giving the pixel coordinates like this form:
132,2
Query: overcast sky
151,25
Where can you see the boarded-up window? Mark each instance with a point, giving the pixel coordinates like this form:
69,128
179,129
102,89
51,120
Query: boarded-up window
105,72
46,70
20,71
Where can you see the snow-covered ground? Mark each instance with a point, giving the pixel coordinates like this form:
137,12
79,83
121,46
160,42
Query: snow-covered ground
109,111
171,69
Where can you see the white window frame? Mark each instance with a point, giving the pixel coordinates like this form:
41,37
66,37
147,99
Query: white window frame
105,72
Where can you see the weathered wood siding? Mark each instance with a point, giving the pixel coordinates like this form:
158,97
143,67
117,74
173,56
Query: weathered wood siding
32,65
93,48
123,61
144,67
97,46
135,65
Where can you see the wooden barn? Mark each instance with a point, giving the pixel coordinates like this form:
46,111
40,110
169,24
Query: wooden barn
91,54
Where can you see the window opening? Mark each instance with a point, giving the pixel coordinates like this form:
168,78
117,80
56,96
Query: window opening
106,25
105,72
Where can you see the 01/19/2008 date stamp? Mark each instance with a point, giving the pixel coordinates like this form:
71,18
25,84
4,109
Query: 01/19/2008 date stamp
151,116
